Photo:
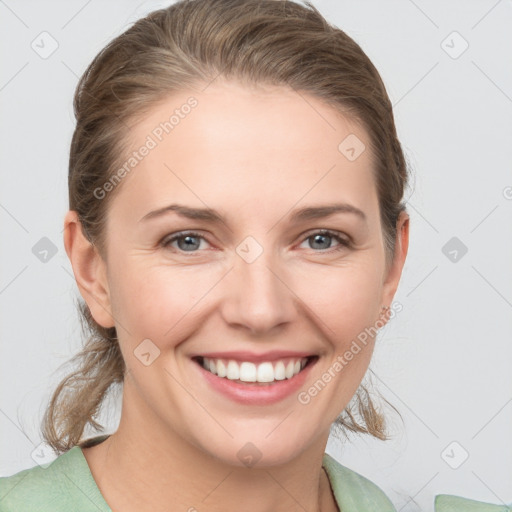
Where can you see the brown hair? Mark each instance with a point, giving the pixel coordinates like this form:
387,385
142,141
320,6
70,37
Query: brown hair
191,42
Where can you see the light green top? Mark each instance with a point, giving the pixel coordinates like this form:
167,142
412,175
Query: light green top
67,484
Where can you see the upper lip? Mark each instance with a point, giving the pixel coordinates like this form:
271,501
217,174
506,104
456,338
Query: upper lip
244,355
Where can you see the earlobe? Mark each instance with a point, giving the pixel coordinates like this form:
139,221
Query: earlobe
89,270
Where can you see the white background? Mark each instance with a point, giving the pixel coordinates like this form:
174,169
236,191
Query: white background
444,361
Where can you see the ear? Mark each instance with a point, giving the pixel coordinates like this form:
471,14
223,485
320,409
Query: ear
394,272
89,269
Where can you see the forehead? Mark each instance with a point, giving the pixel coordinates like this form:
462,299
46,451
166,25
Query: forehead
232,146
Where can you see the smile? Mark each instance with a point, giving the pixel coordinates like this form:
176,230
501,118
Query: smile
255,379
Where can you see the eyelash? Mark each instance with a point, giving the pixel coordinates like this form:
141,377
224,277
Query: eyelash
343,243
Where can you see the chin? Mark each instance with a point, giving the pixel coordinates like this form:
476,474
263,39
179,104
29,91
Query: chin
258,451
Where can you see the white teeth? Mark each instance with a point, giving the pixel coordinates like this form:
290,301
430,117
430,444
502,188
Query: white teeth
265,372
279,373
289,370
221,369
250,372
233,371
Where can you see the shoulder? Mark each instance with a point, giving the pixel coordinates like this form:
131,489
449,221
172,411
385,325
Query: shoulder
453,503
353,491
64,484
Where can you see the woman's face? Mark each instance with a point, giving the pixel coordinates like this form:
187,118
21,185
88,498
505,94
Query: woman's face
259,176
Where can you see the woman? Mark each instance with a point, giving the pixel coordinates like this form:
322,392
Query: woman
237,232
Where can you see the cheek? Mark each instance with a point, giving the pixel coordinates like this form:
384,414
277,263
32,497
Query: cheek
344,299
159,302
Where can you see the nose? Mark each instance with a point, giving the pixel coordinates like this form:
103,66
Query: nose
257,296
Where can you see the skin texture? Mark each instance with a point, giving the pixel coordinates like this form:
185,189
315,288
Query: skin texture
255,155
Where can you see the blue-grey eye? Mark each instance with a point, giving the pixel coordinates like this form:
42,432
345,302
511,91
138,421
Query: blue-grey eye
320,241
190,243
187,242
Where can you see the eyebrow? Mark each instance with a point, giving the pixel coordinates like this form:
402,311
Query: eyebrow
213,216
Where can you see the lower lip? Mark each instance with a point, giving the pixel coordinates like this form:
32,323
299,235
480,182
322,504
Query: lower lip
253,393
